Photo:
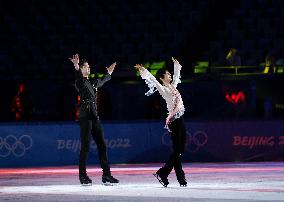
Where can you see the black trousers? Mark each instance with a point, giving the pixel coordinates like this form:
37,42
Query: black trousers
178,136
91,126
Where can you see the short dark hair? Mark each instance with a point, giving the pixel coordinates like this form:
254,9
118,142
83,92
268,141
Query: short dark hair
82,62
161,73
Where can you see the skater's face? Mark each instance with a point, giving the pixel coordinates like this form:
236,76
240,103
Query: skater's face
85,69
167,78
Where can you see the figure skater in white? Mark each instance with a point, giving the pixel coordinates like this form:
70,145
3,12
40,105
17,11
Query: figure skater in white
166,86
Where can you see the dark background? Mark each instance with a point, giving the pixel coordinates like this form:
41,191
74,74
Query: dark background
38,37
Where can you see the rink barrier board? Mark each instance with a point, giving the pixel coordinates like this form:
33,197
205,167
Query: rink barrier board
56,144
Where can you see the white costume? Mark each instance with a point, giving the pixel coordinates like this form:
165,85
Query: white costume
169,93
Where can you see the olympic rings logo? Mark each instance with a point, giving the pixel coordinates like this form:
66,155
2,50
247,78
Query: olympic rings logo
12,145
193,141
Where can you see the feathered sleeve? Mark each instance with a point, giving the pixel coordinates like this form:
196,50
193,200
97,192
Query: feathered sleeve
176,76
152,82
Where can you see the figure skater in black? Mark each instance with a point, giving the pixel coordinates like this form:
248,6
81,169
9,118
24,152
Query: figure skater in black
89,119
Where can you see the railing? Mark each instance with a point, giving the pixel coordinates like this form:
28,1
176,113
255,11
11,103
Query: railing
239,70
255,69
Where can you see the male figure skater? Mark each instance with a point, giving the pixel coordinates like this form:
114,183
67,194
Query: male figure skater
174,121
89,119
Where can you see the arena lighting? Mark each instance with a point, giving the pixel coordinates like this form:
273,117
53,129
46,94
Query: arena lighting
201,67
279,106
236,98
132,169
153,67
96,75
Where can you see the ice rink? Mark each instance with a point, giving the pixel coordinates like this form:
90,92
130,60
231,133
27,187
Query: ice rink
206,182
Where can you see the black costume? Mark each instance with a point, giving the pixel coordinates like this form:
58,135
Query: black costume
90,123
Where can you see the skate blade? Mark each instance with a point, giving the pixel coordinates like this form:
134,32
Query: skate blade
109,184
159,179
86,185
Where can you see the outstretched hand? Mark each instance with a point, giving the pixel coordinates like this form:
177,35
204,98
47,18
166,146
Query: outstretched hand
75,60
175,61
139,67
111,68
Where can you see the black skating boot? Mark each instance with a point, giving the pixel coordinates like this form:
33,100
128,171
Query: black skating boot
85,180
109,180
161,178
181,178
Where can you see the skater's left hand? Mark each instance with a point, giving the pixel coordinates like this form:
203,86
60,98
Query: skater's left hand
175,61
111,68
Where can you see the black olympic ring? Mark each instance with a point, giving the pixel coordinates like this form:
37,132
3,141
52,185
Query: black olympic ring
12,145
193,142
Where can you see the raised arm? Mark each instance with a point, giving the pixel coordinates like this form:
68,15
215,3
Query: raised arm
107,77
150,80
78,74
75,60
176,76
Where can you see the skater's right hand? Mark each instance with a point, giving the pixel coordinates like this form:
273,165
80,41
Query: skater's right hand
139,67
75,60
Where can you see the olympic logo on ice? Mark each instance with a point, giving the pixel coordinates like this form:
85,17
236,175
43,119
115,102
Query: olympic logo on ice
193,141
11,145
